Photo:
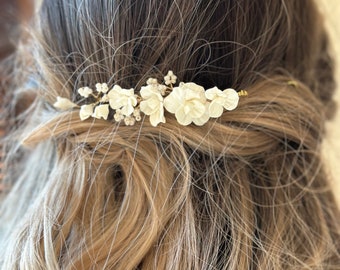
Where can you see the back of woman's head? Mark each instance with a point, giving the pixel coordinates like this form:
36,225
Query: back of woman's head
245,191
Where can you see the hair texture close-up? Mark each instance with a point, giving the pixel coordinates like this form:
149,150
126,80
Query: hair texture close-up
247,190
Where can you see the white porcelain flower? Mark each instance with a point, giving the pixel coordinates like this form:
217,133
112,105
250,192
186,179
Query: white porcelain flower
64,104
101,111
188,103
170,78
152,104
102,88
86,111
123,99
227,99
85,91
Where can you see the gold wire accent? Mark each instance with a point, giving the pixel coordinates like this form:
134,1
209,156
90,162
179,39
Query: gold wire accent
242,93
293,83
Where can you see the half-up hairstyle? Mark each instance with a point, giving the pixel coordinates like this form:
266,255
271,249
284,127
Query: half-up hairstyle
245,191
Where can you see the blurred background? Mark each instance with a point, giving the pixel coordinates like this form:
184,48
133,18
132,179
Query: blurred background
15,12
12,12
331,147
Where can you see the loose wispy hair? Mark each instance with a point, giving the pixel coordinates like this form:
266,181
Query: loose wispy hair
247,191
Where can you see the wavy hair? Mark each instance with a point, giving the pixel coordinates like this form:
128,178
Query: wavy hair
245,191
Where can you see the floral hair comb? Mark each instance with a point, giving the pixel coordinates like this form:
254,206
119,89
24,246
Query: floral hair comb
188,101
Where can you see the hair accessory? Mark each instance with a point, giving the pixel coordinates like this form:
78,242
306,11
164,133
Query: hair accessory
293,83
190,102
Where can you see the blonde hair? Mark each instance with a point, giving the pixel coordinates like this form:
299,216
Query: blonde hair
247,191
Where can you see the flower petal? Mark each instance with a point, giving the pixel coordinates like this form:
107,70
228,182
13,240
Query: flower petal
215,109
147,91
232,99
212,93
129,92
145,108
182,118
116,89
86,111
101,111
64,104
85,91
204,118
195,88
174,100
150,106
128,109
116,102
157,117
197,108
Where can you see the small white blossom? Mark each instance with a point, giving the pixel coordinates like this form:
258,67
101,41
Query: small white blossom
162,89
118,116
188,103
151,81
129,120
102,88
101,111
227,99
86,111
85,91
136,114
154,83
123,99
64,104
170,78
152,104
